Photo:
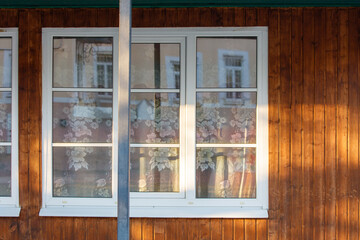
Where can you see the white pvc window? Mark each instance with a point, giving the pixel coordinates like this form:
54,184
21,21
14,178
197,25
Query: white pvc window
9,181
79,166
223,120
198,124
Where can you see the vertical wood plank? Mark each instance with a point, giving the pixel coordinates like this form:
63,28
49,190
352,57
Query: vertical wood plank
308,122
216,17
261,229
204,229
34,121
203,17
135,229
70,228
296,124
250,16
106,228
274,102
228,16
183,17
285,124
171,16
227,229
192,229
91,229
79,226
147,229
319,125
239,17
23,123
342,126
250,229
330,122
262,16
171,231
215,229
239,229
353,122
182,228
159,229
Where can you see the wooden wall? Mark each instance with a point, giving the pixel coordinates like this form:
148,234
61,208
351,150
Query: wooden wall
313,116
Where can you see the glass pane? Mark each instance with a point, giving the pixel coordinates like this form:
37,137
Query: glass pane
82,172
5,116
5,171
226,62
82,117
226,117
5,62
154,170
81,62
226,173
154,118
155,65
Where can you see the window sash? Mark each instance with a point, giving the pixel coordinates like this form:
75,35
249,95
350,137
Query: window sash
47,39
9,206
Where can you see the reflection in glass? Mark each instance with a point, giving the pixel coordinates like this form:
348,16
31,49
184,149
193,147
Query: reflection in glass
5,116
83,62
82,172
155,65
154,118
223,120
5,62
154,170
227,62
225,173
5,171
82,117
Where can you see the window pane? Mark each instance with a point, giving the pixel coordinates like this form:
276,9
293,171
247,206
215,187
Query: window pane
5,171
5,62
82,172
82,117
225,173
225,118
154,118
154,170
5,116
76,62
222,58
155,65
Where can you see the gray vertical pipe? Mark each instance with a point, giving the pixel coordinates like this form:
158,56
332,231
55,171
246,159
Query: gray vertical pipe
123,116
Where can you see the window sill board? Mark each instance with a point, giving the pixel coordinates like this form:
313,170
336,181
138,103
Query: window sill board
9,211
157,212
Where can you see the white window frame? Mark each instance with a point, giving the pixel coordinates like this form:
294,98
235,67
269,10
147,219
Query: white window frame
68,206
9,206
184,203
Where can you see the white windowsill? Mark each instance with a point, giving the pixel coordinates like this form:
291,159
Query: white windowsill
9,211
157,212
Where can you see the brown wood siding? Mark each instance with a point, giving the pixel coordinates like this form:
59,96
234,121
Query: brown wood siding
313,125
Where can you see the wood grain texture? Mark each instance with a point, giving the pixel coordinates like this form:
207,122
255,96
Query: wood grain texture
319,126
296,124
308,123
274,126
342,126
331,39
353,125
313,125
285,124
